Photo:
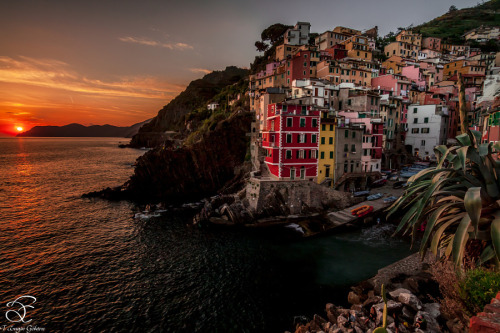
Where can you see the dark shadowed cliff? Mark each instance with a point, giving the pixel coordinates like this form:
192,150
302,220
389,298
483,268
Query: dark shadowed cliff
197,95
195,171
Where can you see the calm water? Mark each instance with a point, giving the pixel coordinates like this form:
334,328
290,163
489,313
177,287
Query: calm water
94,268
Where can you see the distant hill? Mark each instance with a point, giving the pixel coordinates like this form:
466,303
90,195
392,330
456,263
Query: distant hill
77,130
452,25
197,94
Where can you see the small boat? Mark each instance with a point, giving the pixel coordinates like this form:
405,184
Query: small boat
374,196
365,212
361,210
379,183
390,199
361,193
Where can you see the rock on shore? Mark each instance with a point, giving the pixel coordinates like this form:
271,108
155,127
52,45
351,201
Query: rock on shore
412,294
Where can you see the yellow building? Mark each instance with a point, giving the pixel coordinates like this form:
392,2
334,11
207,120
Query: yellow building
326,158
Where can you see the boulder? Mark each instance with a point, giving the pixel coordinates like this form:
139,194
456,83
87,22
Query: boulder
431,322
353,298
432,309
410,300
408,313
371,301
395,293
341,321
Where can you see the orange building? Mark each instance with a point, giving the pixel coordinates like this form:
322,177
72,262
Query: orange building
357,48
407,36
463,67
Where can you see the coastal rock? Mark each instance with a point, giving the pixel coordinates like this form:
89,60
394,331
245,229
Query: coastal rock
432,325
410,300
353,298
408,313
433,309
395,293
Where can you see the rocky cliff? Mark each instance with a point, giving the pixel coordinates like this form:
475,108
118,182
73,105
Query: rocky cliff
197,95
195,171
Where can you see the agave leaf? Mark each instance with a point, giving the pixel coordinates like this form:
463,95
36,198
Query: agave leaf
406,197
462,156
495,233
477,136
441,152
464,139
433,220
449,198
483,149
436,238
487,254
409,214
473,206
460,239
496,146
449,247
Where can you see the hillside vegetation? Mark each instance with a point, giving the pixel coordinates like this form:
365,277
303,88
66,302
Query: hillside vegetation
452,25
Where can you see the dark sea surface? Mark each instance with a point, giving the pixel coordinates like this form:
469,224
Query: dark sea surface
93,267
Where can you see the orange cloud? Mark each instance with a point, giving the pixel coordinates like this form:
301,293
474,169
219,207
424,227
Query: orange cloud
56,74
200,70
149,42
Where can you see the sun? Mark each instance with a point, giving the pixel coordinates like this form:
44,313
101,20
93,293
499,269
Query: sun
19,128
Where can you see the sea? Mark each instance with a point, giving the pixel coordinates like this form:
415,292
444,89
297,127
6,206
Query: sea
70,264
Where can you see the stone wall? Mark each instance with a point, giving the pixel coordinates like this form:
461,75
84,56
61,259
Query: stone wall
299,196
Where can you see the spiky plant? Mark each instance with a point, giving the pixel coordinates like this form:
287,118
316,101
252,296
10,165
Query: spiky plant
457,200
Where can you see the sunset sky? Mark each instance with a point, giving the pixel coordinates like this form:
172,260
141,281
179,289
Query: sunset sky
118,62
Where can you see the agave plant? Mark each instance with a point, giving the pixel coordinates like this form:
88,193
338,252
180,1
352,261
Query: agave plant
457,200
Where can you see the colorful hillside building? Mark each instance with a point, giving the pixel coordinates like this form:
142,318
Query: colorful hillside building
291,138
326,161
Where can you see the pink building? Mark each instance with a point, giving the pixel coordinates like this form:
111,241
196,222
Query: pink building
393,84
291,139
414,73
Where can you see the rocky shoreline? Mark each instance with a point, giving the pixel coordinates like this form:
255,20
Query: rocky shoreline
412,306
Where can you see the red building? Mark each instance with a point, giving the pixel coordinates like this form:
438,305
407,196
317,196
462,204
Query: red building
301,66
291,139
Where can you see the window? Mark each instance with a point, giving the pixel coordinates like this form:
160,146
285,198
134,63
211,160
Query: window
426,120
288,138
415,121
331,127
288,154
415,110
422,143
425,130
285,108
346,147
302,122
323,127
315,122
322,156
313,153
331,154
353,135
353,148
289,122
330,140
414,130
313,138
346,133
322,140
301,138
301,154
